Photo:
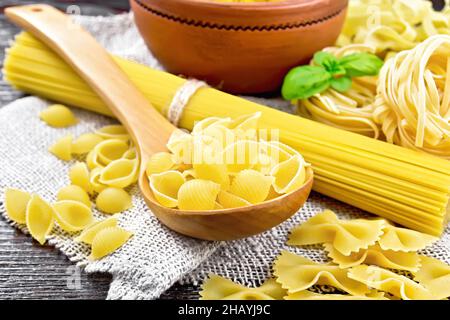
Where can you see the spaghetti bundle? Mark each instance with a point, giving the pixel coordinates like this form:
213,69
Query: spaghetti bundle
392,25
402,185
351,110
413,102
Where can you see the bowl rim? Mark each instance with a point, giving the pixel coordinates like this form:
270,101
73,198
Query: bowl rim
267,16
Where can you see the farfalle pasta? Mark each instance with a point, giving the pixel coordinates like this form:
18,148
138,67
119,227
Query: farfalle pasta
435,276
374,255
296,273
405,240
223,163
347,236
219,288
390,282
309,295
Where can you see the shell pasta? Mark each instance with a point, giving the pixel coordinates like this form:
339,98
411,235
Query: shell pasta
224,163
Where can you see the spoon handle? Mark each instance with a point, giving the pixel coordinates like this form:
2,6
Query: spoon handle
149,129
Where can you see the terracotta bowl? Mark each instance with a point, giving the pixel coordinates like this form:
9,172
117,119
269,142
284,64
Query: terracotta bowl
244,48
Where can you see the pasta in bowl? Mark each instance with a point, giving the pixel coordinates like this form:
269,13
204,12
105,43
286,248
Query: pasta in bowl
226,180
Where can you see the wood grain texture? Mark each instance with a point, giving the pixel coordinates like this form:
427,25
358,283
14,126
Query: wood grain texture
31,271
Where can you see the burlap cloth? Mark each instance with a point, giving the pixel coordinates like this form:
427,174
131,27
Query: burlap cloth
155,258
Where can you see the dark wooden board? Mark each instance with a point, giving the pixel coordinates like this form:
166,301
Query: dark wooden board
31,271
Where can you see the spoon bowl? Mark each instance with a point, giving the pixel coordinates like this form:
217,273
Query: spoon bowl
149,130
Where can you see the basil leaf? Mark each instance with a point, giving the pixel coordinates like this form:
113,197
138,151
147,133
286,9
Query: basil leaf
341,84
361,64
304,82
324,59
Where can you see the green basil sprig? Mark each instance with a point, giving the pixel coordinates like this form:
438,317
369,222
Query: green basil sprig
305,81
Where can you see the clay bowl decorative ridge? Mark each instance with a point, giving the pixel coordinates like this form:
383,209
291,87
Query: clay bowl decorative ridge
244,48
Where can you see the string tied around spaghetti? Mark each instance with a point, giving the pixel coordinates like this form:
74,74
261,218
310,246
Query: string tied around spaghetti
182,98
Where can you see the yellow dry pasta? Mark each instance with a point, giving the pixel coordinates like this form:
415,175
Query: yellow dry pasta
165,187
435,276
198,194
16,202
406,240
39,218
216,172
109,150
160,162
296,273
251,186
85,143
107,241
241,155
79,176
289,175
228,200
115,131
72,216
347,236
374,255
87,235
390,282
392,25
113,200
62,148
309,295
413,101
351,110
120,173
58,116
94,178
219,288
75,193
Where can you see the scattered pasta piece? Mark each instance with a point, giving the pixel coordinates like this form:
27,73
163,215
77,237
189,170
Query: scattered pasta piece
62,148
251,186
107,241
296,273
58,116
406,240
16,202
435,276
109,150
75,193
347,236
85,143
160,162
390,282
120,173
219,288
198,194
79,176
409,261
115,131
88,234
113,200
39,218
72,216
94,180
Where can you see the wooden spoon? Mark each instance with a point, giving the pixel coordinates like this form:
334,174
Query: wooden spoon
149,130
